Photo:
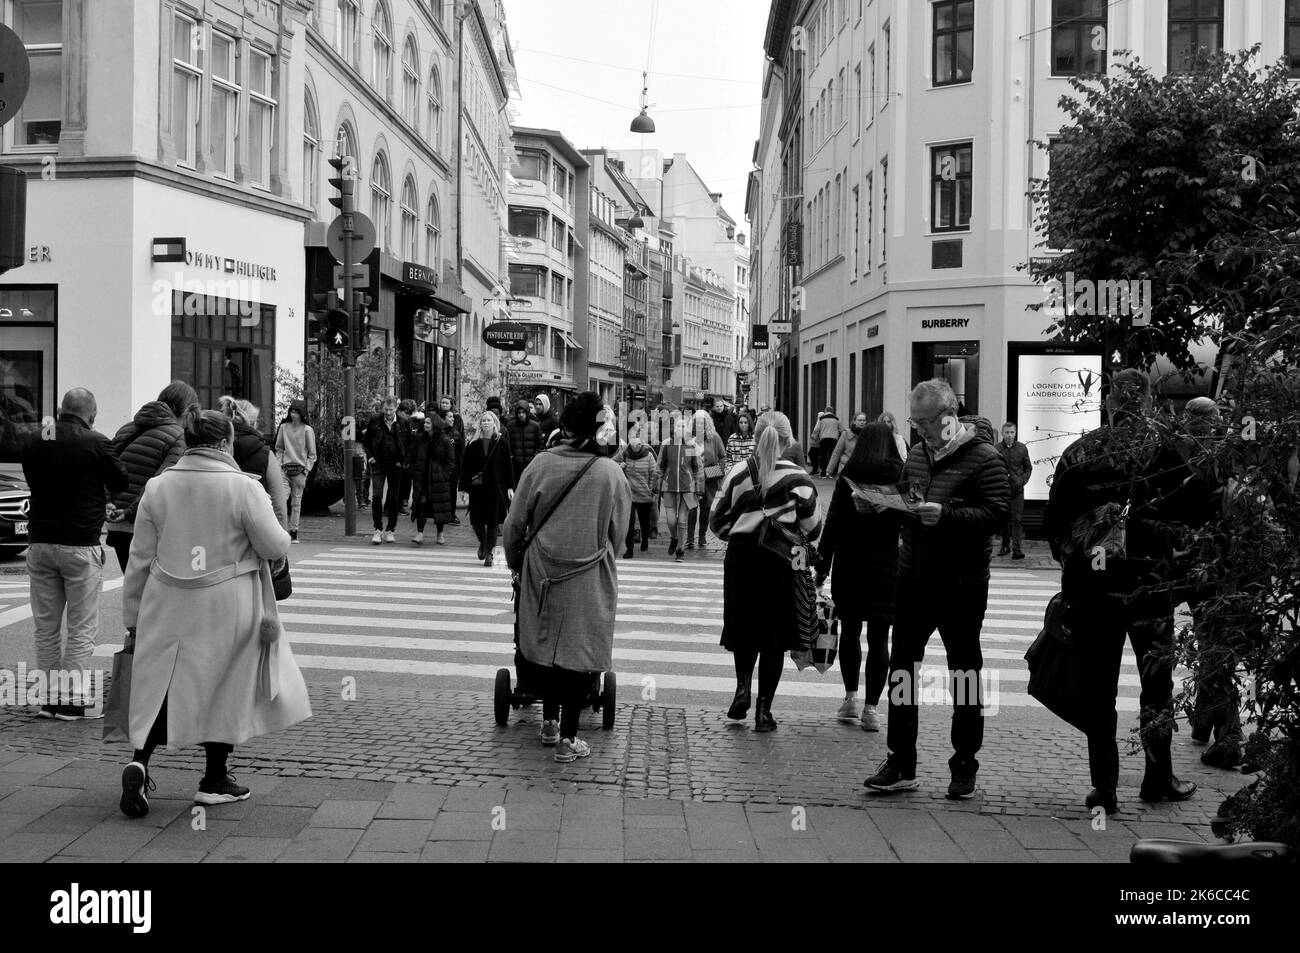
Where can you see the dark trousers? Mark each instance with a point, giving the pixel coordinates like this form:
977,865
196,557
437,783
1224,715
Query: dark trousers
956,609
389,477
1014,531
1107,623
644,514
769,670
404,496
566,693
824,451
217,752
121,543
877,656
487,538
701,513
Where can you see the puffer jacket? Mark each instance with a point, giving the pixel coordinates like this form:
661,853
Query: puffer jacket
969,480
642,472
525,440
250,451
151,443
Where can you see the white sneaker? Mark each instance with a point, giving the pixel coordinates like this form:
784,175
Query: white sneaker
418,539
870,718
390,537
550,734
571,749
848,712
377,538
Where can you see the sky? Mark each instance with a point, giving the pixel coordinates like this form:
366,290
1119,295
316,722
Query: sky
711,112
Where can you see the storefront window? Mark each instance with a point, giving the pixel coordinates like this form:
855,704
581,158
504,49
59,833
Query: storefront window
220,346
27,337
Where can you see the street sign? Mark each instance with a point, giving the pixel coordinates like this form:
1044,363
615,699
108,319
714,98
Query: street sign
360,274
759,342
506,336
780,327
15,74
363,238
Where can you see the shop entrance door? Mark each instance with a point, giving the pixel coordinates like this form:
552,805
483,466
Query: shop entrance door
958,363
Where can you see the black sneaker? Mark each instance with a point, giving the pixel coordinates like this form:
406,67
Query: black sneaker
962,786
222,791
47,711
892,775
454,521
1017,556
135,783
76,713
293,535
1104,799
1004,551
680,557
690,544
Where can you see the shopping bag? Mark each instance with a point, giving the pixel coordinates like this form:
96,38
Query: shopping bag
1057,671
117,709
826,642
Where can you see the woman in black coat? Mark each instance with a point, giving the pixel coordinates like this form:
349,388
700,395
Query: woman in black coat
431,461
863,549
489,478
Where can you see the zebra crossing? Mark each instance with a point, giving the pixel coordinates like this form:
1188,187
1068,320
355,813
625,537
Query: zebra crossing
437,617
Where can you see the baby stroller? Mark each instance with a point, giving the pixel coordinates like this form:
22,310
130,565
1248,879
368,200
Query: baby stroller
528,686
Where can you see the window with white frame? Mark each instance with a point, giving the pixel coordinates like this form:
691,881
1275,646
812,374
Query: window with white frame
223,101
187,77
884,209
381,200
871,80
857,100
835,229
346,144
261,117
381,60
857,237
434,93
871,208
311,149
432,232
410,249
888,56
347,30
40,24
411,82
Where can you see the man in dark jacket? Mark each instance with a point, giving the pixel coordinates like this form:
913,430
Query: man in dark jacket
72,471
1016,456
724,420
1127,463
943,582
524,438
387,441
151,443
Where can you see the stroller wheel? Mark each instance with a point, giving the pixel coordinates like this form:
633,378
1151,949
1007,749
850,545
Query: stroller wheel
501,696
608,698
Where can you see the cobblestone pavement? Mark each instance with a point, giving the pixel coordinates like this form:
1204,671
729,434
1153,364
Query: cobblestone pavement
417,775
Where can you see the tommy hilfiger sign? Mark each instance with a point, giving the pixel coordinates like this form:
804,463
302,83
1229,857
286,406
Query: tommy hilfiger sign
232,266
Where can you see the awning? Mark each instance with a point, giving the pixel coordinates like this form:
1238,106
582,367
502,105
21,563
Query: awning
568,340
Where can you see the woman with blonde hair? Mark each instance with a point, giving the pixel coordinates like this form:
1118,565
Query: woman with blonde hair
488,476
899,440
713,458
682,483
758,614
253,454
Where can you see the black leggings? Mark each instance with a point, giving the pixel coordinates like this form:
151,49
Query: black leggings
422,521
769,670
217,752
566,691
877,657
121,543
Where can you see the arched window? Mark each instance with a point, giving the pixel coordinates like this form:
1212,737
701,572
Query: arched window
410,249
434,131
311,149
345,144
433,233
381,201
411,82
381,61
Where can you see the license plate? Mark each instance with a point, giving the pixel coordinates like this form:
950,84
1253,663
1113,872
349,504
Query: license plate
20,529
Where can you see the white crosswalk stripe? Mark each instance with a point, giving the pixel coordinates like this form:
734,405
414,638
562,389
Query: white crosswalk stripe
431,614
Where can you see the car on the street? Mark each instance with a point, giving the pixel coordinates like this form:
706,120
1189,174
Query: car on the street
15,502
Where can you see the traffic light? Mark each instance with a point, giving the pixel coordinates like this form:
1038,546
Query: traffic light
337,335
344,183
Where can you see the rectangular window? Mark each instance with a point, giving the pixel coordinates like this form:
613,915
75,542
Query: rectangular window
888,57
857,101
950,188
857,213
1293,37
527,281
853,386
839,204
954,41
346,32
217,352
871,79
28,317
223,102
884,209
557,289
527,223
261,118
187,74
40,25
1193,25
559,234
871,210
1079,35
532,165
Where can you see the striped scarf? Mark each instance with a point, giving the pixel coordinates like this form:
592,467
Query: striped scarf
788,498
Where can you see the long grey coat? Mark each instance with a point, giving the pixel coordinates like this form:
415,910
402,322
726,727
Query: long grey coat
568,587
199,647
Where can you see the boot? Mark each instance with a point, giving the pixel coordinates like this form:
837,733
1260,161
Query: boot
740,704
672,545
627,553
1168,789
763,720
1105,799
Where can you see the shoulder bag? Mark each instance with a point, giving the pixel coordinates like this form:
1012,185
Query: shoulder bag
477,479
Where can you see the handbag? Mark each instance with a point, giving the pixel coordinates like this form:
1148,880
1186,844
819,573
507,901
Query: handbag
117,709
477,479
774,536
713,471
280,581
825,644
1058,676
293,469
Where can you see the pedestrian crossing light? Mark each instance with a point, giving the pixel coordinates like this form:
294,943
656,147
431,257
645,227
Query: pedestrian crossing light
345,183
337,335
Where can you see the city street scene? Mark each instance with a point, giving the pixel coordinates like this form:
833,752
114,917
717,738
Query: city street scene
596,431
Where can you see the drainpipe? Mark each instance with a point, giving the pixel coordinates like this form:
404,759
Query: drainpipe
460,172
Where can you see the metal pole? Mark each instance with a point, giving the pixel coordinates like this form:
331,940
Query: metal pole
349,384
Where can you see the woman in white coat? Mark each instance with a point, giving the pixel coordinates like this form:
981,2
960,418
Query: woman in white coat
211,665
